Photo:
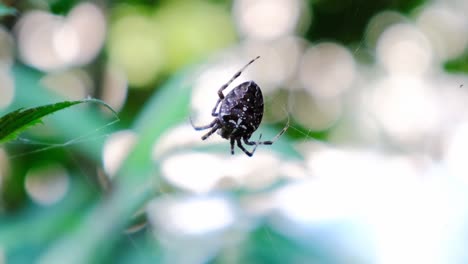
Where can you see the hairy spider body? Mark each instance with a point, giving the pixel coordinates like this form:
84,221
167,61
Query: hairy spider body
241,111
239,115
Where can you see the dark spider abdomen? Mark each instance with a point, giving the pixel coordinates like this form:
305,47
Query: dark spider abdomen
241,111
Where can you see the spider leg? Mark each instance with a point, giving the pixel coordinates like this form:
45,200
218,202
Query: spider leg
232,146
239,144
267,142
237,74
213,112
210,125
224,86
215,127
252,143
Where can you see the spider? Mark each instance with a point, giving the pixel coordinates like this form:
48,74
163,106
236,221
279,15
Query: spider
239,115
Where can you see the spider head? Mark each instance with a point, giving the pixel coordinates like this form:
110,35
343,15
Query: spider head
225,132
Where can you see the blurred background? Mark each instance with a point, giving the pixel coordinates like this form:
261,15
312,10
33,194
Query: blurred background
372,168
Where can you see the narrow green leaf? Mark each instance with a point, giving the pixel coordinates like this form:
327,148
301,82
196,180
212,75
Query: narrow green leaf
5,10
19,120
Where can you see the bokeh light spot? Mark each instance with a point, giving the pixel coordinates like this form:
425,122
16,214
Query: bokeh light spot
312,113
47,185
200,172
188,216
114,87
135,45
267,19
116,149
7,87
89,24
407,108
379,23
327,70
7,45
49,42
71,84
403,49
446,29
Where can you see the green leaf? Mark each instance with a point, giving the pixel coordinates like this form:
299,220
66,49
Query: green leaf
19,120
5,10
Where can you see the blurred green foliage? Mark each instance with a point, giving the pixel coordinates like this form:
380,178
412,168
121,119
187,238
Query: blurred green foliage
173,34
87,225
345,21
5,10
457,65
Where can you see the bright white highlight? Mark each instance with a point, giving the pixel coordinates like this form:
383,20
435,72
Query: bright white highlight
116,149
48,185
191,216
327,70
403,49
267,19
51,42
